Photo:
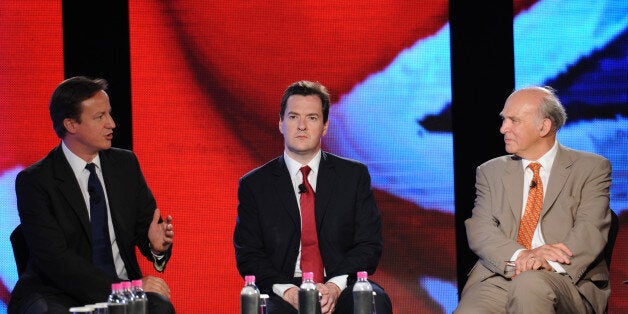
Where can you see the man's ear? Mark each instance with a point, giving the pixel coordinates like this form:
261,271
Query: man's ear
280,126
70,125
546,127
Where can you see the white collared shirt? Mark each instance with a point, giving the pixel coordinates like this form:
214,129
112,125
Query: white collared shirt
294,168
82,176
546,162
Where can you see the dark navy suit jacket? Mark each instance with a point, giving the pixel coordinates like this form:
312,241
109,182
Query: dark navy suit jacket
268,228
56,225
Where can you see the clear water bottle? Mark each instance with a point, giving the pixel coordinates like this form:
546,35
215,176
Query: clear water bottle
100,308
117,302
362,295
141,300
309,298
128,293
81,310
249,297
263,303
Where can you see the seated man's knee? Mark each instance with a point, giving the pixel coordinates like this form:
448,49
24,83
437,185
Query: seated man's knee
159,304
531,286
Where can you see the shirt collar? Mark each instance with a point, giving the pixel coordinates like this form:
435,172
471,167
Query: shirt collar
77,163
546,160
294,166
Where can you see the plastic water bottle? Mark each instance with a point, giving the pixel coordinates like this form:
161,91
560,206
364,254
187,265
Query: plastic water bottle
128,293
141,300
362,295
309,298
100,308
81,310
249,297
117,302
263,303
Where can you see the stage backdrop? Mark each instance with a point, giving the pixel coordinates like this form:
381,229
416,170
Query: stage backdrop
206,85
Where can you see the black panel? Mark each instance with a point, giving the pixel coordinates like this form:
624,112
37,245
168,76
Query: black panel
96,44
482,77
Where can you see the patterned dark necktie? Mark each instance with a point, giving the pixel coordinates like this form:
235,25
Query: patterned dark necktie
311,260
102,257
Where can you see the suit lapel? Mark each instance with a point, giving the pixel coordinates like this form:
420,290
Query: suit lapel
561,170
325,185
69,188
114,184
513,185
285,191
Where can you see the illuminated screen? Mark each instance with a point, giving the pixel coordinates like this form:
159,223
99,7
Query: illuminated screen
580,48
31,65
207,78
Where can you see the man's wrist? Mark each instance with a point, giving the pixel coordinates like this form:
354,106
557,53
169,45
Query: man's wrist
334,287
156,254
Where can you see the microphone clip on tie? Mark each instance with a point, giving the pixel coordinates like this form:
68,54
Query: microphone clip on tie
302,188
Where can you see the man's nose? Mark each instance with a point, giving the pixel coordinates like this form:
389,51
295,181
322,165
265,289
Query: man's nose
111,124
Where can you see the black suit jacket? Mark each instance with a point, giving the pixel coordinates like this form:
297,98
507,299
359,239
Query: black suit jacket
268,228
56,225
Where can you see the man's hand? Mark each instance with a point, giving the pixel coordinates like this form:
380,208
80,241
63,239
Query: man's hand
292,296
155,284
538,258
330,293
160,234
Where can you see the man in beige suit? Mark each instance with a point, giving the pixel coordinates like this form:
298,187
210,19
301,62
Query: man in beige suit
561,267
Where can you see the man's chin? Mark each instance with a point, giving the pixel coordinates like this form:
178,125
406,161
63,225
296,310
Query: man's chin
510,149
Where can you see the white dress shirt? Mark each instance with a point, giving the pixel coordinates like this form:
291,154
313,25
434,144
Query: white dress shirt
546,162
294,167
82,176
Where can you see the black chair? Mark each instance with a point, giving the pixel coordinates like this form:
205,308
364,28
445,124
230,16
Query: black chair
612,235
20,249
610,243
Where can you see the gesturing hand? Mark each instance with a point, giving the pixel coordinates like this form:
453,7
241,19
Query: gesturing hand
160,234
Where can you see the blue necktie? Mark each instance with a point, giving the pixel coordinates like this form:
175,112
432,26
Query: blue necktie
101,244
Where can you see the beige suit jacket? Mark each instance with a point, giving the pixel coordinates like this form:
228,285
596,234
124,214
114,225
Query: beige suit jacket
575,212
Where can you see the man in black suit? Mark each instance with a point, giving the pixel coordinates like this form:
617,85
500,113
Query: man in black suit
268,232
54,199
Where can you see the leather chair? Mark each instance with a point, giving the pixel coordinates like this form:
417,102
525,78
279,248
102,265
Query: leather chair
612,236
610,243
20,249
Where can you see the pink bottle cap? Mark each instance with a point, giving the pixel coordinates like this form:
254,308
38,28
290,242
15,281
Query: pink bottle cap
136,283
308,275
125,284
362,275
249,278
115,286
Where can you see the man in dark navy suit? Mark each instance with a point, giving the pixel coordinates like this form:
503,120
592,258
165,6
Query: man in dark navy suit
348,228
55,199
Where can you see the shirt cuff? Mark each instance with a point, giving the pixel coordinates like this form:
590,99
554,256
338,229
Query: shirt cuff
280,289
340,281
557,267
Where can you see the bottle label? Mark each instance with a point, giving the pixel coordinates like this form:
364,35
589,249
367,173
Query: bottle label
309,302
249,304
362,302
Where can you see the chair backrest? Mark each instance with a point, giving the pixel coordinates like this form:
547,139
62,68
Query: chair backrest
20,249
612,235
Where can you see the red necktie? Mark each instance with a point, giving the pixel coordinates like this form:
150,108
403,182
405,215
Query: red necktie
311,260
533,208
